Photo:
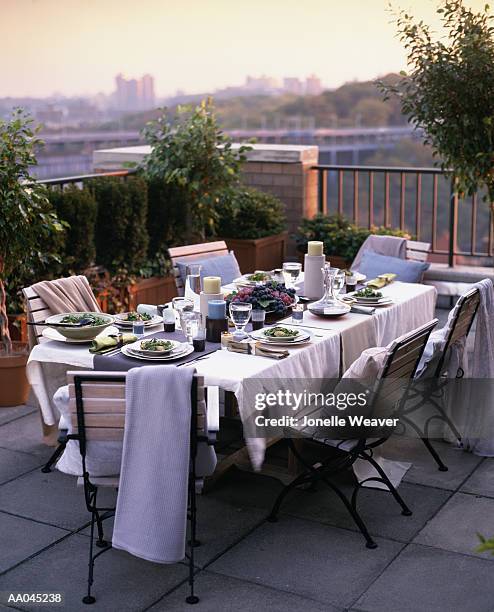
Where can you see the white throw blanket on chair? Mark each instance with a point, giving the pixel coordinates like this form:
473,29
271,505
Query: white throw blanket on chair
151,513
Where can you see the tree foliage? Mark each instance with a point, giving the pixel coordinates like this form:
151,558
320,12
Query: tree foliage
195,158
448,90
29,227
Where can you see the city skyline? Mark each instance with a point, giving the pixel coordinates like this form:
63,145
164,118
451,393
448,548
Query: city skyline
78,46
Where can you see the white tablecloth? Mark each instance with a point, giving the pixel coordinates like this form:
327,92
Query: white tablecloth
414,305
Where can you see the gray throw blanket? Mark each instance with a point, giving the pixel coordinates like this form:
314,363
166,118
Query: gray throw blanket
393,246
71,294
151,513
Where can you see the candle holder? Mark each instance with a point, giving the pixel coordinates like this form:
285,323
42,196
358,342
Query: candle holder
313,276
214,329
204,299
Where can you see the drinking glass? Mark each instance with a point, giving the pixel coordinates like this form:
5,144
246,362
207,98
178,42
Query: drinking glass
258,318
240,315
298,313
338,281
189,322
182,304
291,272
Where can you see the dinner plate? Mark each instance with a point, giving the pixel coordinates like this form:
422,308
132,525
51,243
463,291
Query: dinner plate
155,320
243,281
135,347
52,334
303,337
170,357
334,311
378,304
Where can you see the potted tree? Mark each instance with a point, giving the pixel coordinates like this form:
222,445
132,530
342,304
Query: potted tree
253,223
27,225
447,92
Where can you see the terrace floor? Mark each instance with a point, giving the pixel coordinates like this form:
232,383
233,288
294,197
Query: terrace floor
312,559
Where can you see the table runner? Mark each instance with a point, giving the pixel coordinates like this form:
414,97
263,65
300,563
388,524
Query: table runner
120,362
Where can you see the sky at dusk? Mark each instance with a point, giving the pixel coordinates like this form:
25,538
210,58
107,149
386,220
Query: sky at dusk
78,46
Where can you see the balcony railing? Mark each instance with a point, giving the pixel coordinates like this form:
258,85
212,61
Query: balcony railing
80,179
419,201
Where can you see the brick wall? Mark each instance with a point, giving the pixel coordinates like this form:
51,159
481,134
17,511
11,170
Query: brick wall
294,183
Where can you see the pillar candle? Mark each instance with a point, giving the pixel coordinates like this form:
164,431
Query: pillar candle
211,284
216,309
315,247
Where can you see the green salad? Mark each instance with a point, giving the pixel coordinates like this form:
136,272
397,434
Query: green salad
259,277
90,319
280,332
368,293
156,345
136,316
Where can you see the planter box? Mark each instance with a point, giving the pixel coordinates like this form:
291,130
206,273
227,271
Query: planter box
259,253
18,327
154,290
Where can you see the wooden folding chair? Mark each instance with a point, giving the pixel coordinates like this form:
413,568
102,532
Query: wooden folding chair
97,406
429,389
387,396
191,253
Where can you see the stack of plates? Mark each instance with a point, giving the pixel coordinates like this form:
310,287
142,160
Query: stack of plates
302,337
179,350
363,301
121,321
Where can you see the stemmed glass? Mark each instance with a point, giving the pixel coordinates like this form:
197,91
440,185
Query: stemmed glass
240,315
291,272
181,305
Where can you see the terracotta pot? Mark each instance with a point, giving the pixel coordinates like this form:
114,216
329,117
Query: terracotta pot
14,387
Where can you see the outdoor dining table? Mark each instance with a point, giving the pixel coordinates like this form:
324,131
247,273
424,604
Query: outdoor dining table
336,343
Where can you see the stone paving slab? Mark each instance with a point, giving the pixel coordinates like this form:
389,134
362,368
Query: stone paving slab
21,538
122,582
426,579
14,464
424,469
25,434
219,526
378,509
481,482
315,561
9,414
456,525
53,498
222,593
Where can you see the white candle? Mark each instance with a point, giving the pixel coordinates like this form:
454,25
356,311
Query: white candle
211,284
315,247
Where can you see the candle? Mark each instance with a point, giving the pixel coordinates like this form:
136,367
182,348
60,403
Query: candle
315,247
211,284
216,309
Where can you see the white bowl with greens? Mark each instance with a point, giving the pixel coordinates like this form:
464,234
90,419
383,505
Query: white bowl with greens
80,325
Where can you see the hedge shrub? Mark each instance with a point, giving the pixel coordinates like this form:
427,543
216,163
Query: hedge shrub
121,224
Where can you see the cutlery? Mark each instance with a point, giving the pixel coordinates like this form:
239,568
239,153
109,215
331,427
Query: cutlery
81,323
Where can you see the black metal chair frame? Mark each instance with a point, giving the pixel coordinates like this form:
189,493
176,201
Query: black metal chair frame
363,449
430,391
99,514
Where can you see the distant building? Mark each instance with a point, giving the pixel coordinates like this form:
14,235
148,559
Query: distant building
313,85
134,94
262,84
293,85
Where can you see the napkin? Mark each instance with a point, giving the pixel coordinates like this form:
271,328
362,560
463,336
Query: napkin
255,348
381,281
363,310
107,343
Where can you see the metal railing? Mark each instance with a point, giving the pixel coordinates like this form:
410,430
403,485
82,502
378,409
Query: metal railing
420,201
79,179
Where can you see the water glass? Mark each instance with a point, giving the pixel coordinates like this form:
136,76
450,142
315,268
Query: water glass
338,281
240,315
291,272
298,313
198,337
189,321
181,304
351,283
258,318
138,328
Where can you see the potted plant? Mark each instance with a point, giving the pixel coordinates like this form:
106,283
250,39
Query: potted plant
253,223
447,92
28,225
342,239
